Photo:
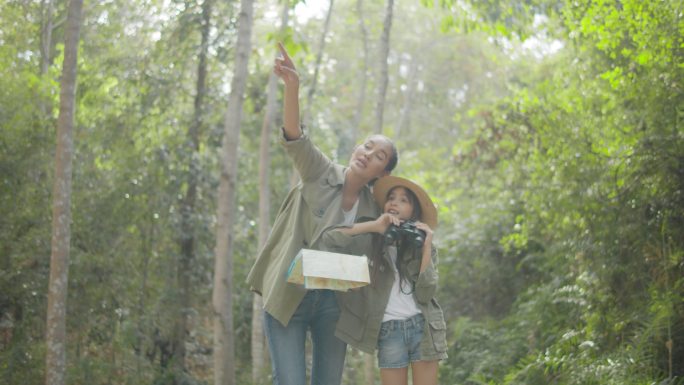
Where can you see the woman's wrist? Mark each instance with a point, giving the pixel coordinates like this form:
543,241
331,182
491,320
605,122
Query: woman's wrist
292,85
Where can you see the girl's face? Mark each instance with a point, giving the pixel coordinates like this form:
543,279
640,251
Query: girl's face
399,204
370,159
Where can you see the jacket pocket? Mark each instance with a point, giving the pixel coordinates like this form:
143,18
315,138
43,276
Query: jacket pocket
437,327
352,314
351,324
438,333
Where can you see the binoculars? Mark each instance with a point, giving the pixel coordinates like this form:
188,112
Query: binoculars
408,231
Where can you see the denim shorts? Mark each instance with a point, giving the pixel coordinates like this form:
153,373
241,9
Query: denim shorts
399,342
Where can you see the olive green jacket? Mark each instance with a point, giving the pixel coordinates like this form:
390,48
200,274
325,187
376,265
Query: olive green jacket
310,207
362,310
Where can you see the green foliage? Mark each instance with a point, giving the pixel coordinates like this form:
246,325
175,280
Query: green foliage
498,18
481,351
593,143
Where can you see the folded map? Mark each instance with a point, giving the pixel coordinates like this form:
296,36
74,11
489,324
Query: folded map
325,270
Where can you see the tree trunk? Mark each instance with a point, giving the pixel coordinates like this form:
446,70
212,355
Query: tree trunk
46,36
405,117
319,57
294,175
187,236
348,138
224,349
147,239
55,367
384,76
361,100
46,26
258,352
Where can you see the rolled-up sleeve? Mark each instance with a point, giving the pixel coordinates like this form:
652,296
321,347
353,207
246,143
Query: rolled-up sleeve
309,161
336,241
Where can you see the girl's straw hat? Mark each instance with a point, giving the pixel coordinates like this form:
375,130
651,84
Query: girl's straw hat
383,185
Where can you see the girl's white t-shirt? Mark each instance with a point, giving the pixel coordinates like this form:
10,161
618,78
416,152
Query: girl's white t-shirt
400,305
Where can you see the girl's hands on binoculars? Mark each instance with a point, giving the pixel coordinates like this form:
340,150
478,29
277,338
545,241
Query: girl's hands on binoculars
424,227
385,220
428,232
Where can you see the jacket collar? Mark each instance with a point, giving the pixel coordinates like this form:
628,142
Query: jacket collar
336,177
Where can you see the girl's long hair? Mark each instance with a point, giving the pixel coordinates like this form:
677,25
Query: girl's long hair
406,250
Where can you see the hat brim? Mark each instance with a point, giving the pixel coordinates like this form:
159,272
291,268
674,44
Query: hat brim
383,185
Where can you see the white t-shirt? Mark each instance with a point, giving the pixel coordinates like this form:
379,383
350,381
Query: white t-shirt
400,305
350,215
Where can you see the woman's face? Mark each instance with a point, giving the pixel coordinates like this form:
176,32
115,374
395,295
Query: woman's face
399,204
370,159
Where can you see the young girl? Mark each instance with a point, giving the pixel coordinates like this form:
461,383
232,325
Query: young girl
329,194
397,313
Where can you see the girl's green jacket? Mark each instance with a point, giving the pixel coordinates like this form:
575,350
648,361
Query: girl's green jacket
362,310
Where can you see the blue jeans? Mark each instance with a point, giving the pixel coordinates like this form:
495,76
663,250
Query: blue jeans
318,313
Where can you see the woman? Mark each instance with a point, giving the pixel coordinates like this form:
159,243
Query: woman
328,194
397,313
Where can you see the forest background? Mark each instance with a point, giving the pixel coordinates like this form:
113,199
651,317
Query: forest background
549,133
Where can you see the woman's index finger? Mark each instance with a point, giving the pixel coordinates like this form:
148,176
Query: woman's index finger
282,50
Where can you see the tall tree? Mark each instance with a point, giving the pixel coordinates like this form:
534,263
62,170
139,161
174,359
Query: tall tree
55,368
363,74
306,119
224,349
187,235
48,10
317,67
347,137
405,116
384,75
257,339
47,25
